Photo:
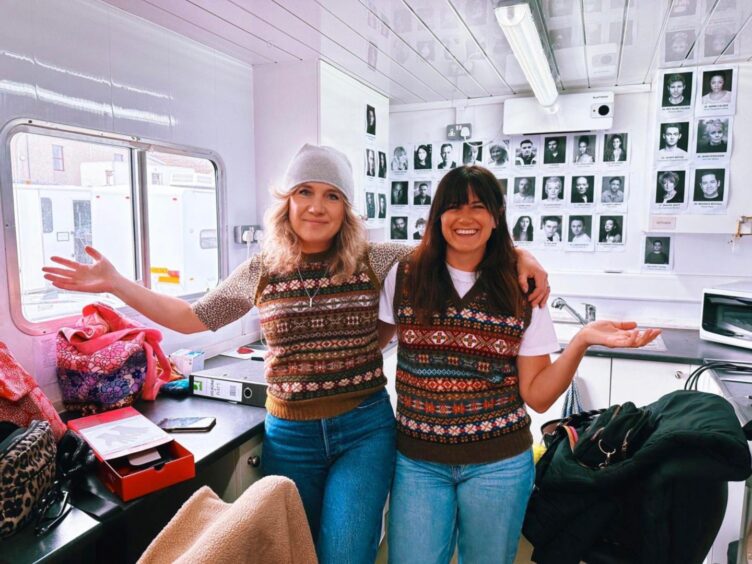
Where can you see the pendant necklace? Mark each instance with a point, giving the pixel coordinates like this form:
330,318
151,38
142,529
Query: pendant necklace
315,293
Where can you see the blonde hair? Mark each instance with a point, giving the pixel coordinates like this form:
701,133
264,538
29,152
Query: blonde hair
282,246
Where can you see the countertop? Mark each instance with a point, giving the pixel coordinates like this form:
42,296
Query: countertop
683,345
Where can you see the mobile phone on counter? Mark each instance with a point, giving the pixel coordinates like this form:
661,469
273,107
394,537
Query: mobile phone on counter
187,424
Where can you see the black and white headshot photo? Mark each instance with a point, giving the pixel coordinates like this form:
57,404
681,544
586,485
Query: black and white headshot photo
370,162
400,162
580,229
422,193
612,190
370,120
420,228
524,190
399,193
382,206
718,40
382,164
584,149
526,152
472,153
615,147
447,157
550,229
657,250
713,135
399,227
498,154
553,189
709,185
583,190
554,149
717,86
523,230
673,143
678,43
677,90
669,188
611,229
682,8
370,205
422,157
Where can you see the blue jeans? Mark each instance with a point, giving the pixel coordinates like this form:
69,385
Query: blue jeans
480,507
343,468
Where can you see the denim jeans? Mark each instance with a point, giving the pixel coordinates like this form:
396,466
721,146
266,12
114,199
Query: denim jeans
479,507
343,468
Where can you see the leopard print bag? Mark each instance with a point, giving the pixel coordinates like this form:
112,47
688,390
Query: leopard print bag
27,471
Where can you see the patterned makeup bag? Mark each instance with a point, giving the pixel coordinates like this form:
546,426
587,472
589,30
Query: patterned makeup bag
106,361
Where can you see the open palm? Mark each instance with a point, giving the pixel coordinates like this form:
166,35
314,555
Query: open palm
100,276
618,334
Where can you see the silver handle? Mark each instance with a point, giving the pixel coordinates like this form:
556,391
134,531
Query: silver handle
679,374
254,461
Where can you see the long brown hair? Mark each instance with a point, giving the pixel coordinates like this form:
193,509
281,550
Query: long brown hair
497,272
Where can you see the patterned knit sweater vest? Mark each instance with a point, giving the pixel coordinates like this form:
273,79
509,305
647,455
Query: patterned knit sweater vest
325,357
458,398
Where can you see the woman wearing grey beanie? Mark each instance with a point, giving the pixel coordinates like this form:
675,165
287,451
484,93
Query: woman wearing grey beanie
329,425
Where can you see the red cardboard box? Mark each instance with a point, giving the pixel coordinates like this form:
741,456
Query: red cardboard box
114,435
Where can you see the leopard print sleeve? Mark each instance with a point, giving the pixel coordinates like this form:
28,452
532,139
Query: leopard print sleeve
233,298
382,256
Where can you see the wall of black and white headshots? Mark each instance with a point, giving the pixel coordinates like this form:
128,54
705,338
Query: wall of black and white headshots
375,172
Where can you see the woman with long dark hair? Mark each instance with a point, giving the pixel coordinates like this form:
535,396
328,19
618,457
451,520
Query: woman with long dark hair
523,229
471,354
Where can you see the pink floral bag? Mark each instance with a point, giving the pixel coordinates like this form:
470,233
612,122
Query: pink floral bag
21,398
106,361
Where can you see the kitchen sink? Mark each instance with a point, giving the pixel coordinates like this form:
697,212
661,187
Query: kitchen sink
566,331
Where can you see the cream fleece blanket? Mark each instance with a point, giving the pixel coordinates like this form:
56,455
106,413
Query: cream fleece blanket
265,524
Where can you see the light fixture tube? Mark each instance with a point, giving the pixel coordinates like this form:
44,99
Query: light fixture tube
517,23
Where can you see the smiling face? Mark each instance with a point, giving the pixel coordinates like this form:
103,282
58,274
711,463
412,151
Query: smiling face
466,230
671,135
608,226
668,184
496,153
582,147
709,185
316,213
615,185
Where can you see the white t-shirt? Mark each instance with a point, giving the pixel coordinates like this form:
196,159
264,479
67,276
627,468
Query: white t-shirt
538,339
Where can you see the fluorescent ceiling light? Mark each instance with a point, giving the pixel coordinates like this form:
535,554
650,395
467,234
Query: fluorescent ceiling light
516,21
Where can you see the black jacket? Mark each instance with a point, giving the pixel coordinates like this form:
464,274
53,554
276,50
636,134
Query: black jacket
664,504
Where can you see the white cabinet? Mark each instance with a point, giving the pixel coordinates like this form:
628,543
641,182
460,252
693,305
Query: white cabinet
593,383
642,382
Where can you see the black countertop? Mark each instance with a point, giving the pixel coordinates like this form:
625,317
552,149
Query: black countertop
683,346
235,425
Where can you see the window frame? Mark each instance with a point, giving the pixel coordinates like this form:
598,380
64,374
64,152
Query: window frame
139,148
56,159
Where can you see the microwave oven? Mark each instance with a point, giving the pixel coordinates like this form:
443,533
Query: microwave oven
727,314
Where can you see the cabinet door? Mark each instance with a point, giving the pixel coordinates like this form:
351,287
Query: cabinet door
643,382
248,469
593,384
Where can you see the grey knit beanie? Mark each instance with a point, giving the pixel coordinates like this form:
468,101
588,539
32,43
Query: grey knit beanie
319,163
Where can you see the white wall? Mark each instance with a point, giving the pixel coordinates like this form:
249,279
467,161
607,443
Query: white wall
667,299
87,64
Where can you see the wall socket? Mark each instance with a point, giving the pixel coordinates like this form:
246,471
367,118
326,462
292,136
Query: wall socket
243,234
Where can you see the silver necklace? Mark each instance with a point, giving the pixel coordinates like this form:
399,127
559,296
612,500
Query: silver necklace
318,288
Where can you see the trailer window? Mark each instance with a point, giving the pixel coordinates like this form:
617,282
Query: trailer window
152,213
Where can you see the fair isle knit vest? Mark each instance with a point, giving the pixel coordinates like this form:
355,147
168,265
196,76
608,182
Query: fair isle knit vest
324,355
458,398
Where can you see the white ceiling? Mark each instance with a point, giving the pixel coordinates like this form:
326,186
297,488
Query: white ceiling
433,50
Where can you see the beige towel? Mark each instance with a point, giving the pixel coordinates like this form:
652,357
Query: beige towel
266,524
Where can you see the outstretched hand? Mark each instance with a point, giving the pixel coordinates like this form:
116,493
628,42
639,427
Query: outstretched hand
617,334
100,276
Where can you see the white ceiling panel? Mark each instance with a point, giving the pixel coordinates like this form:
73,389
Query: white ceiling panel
437,50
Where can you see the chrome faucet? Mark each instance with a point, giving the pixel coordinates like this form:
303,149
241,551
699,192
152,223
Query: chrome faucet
560,303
